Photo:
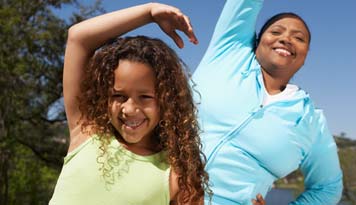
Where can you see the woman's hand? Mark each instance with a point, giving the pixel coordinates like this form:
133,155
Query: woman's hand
170,19
259,200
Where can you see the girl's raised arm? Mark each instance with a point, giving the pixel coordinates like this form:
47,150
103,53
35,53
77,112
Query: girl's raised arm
85,37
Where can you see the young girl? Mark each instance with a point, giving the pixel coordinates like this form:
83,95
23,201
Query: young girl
133,133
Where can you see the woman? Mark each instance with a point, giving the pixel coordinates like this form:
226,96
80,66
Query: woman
257,127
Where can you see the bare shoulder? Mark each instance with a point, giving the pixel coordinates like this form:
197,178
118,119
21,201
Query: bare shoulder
77,137
173,184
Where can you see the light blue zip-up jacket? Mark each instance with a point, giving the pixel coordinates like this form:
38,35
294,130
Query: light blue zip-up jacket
249,146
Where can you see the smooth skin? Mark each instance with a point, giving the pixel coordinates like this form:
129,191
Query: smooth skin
134,108
282,51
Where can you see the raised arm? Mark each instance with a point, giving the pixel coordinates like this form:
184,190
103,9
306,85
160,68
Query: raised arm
238,20
85,37
321,169
234,35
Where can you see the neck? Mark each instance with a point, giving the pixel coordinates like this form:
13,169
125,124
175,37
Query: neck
273,84
142,149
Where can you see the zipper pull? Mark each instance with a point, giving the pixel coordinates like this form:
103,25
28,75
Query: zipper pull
258,108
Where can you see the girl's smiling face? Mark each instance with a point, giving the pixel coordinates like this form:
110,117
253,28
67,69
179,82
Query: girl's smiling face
134,108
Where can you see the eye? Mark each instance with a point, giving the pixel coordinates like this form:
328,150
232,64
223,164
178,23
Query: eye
119,97
275,33
147,97
300,39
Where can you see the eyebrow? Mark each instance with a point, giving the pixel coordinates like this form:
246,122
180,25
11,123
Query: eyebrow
293,31
144,91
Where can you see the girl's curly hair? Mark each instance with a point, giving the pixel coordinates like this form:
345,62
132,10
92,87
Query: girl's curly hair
177,131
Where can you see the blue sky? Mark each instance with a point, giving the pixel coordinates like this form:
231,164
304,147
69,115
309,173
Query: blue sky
329,73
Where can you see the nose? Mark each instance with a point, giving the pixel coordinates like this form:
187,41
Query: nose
285,39
129,108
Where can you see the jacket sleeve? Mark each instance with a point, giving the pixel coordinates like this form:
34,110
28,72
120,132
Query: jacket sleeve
321,169
235,25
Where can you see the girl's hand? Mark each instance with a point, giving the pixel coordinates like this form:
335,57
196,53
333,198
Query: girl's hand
259,200
170,19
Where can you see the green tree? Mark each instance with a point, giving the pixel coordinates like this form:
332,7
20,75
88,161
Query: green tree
347,155
33,138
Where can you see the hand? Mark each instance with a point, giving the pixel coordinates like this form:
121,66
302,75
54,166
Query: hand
259,200
170,19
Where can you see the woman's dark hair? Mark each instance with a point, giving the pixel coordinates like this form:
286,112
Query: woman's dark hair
277,17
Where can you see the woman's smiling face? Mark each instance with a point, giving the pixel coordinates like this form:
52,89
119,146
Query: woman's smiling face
283,47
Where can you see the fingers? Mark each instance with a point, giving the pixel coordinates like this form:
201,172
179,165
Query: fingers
189,30
177,39
170,19
254,202
259,200
182,23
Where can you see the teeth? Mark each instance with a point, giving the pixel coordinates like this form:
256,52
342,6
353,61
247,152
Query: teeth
133,123
283,52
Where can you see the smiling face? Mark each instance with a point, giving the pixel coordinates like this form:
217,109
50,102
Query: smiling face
283,47
134,109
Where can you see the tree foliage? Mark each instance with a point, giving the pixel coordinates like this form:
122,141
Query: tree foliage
33,134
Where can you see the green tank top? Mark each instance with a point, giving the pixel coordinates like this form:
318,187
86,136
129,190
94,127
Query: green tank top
120,177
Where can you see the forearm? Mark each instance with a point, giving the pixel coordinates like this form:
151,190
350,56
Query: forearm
238,19
323,184
92,33
321,167
235,27
329,194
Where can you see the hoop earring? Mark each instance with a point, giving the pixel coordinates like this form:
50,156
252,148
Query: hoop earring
161,123
109,121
